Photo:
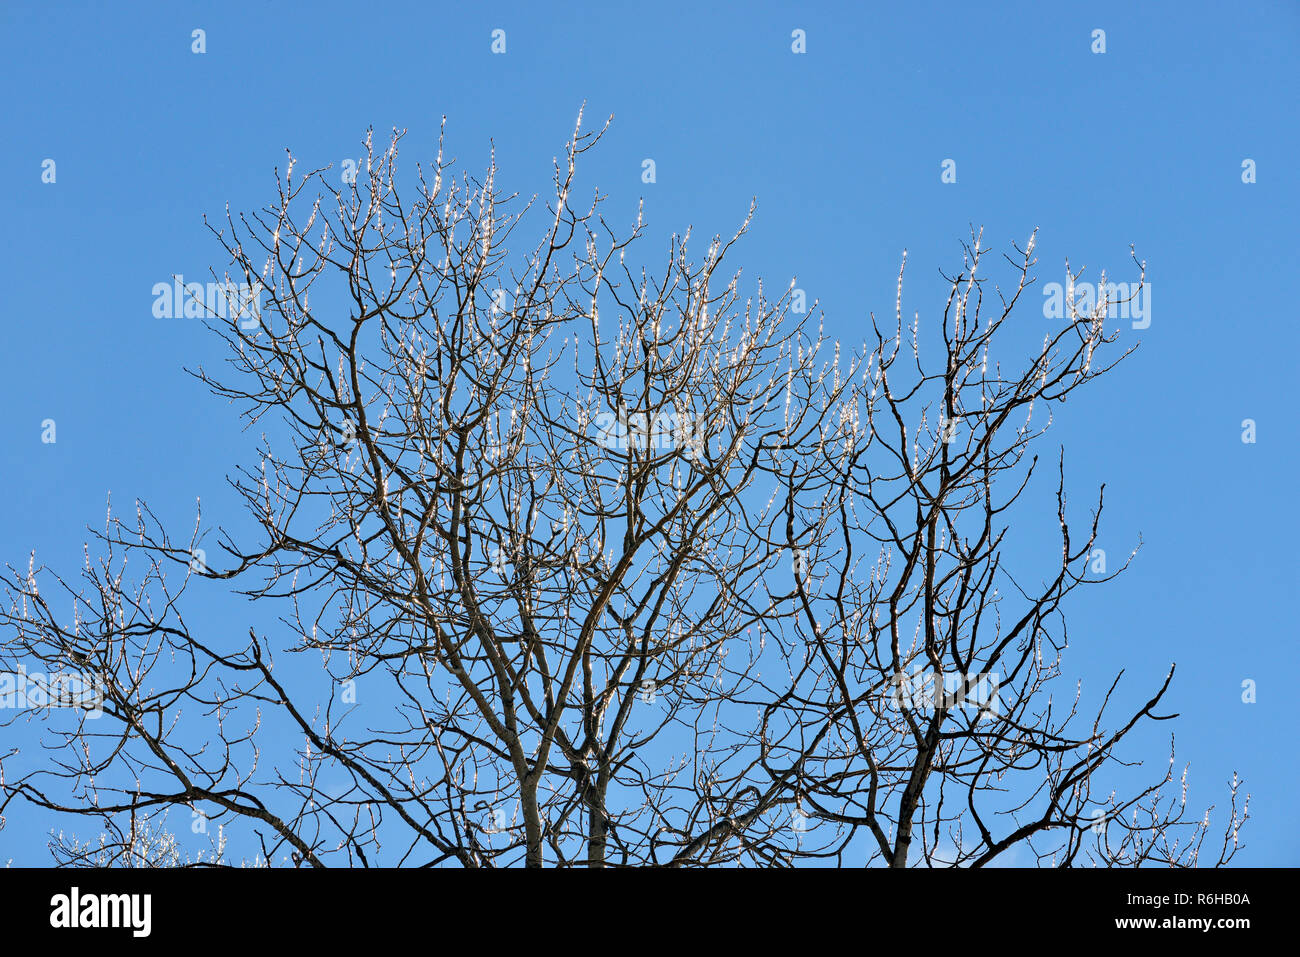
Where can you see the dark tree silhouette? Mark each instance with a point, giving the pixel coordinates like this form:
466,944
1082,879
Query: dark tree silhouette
602,567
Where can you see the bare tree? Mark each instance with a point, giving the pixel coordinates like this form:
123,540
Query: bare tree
604,566
922,711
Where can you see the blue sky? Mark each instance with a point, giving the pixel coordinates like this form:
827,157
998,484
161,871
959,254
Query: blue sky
843,147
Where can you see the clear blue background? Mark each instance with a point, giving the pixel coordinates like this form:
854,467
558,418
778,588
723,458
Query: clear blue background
842,146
